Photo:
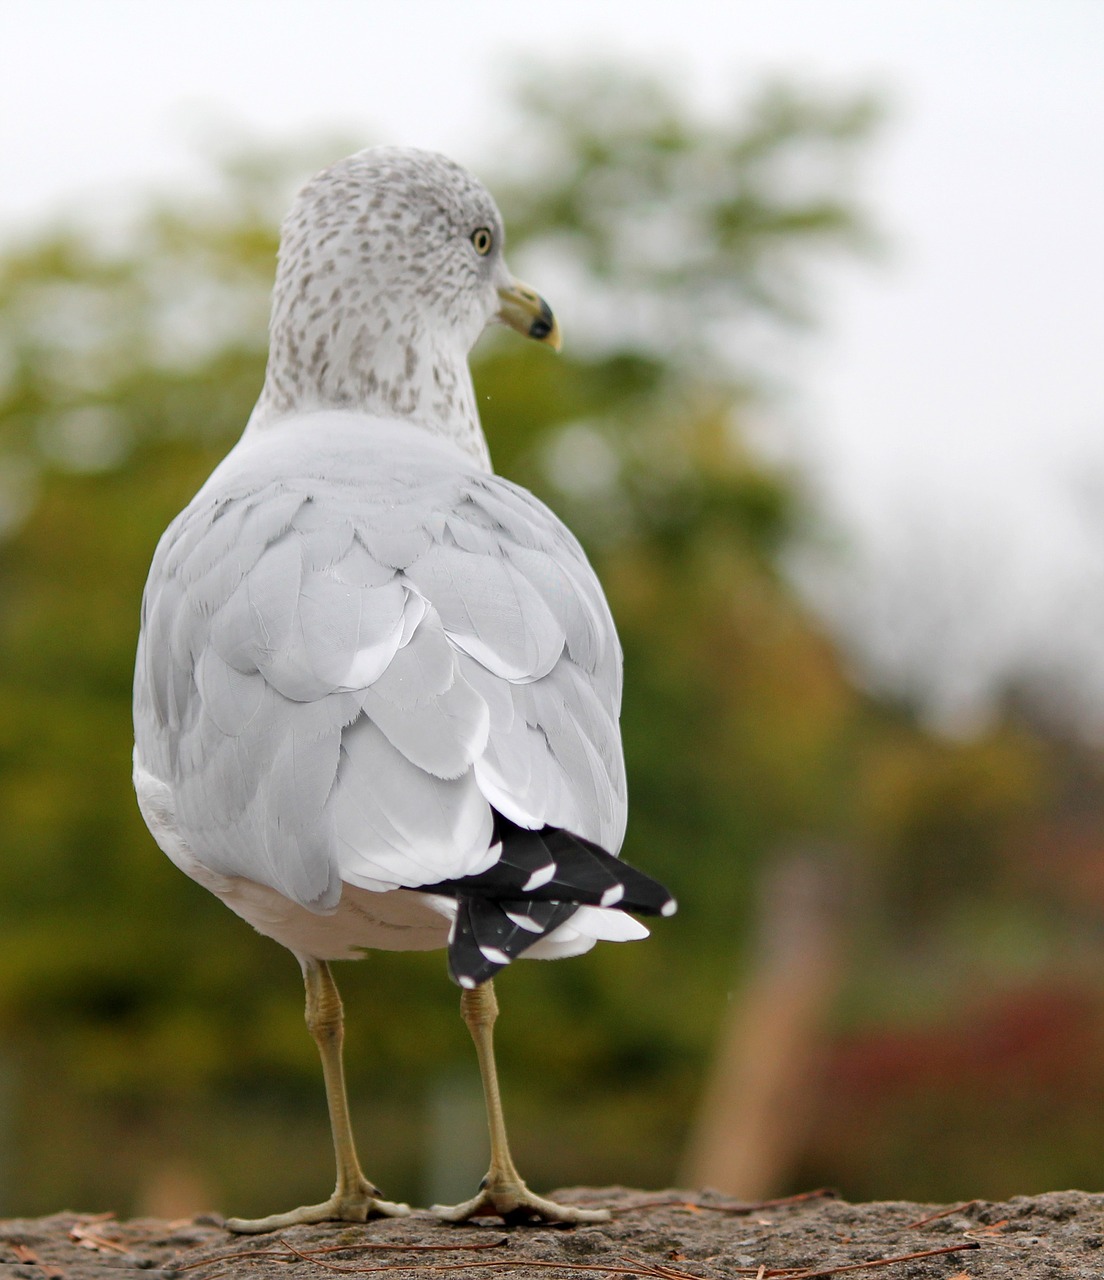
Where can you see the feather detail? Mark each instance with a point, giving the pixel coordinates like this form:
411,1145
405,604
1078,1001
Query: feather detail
545,887
355,647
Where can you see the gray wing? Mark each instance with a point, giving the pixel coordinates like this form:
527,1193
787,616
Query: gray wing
339,674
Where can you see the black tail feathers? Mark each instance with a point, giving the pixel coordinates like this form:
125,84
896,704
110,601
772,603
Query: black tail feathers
540,879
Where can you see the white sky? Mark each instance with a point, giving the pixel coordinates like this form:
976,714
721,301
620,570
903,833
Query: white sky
966,375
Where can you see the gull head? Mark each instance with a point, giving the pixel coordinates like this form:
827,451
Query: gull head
390,267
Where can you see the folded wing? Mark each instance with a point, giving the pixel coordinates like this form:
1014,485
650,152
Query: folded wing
342,673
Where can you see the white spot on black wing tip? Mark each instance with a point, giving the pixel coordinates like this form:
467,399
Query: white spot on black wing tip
539,877
524,922
494,955
613,895
469,984
669,907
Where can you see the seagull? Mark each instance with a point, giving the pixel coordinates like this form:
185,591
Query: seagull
377,685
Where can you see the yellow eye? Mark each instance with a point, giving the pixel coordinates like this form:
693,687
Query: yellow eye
482,239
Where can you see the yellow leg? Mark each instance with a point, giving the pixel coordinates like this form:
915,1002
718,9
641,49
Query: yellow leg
354,1198
502,1191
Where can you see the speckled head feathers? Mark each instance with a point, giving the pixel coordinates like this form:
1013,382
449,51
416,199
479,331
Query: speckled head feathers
394,213
381,291
407,187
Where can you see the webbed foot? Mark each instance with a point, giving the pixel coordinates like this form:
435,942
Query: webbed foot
513,1202
351,1206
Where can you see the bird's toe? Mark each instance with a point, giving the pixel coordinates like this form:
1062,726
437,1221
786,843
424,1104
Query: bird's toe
516,1205
351,1207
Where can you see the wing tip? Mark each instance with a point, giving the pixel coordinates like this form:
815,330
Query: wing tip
540,879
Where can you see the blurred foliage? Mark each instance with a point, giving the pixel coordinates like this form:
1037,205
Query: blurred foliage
135,1011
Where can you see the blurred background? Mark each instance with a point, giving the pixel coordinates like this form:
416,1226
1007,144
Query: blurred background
828,420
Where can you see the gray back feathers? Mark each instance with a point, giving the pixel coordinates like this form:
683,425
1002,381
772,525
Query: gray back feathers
354,643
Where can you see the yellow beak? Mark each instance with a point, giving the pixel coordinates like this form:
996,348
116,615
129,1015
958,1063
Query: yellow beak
526,311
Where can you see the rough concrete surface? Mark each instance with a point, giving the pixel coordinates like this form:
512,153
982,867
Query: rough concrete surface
671,1235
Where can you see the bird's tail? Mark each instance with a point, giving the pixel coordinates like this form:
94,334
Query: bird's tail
539,881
